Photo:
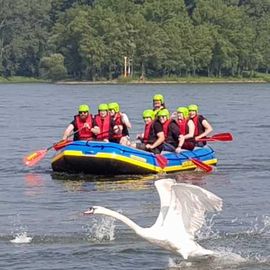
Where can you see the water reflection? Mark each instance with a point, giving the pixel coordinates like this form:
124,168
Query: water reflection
33,180
81,182
86,183
97,183
34,184
196,177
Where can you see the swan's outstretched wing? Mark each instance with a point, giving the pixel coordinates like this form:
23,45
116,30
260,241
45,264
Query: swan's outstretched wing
164,188
188,206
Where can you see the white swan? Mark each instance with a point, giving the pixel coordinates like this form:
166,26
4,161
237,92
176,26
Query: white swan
182,211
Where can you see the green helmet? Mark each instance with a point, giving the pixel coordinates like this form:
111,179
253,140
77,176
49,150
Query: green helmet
183,110
83,108
164,112
158,97
103,107
193,107
114,106
148,113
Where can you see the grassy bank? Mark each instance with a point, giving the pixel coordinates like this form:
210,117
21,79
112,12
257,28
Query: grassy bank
20,79
174,80
260,78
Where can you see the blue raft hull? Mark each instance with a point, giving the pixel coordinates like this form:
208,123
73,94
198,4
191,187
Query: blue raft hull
101,158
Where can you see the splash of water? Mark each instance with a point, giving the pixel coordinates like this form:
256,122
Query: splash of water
220,260
261,225
208,230
21,238
238,247
20,232
102,228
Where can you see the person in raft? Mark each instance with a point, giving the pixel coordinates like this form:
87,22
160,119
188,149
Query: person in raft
103,124
158,103
121,124
170,129
153,137
186,129
202,126
81,126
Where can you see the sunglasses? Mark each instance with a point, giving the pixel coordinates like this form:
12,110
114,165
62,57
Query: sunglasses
83,112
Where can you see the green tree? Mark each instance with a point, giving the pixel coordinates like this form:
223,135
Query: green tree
53,68
23,35
231,35
65,39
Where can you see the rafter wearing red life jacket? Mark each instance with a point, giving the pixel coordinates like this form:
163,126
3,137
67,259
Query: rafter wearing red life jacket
118,121
165,128
189,143
84,133
104,124
199,128
147,132
183,126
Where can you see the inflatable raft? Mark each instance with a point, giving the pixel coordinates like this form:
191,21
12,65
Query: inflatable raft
102,158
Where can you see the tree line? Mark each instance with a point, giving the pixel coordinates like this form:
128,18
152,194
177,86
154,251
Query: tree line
88,39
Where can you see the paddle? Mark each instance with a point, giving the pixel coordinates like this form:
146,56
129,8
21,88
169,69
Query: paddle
224,137
205,167
161,160
62,144
198,163
35,157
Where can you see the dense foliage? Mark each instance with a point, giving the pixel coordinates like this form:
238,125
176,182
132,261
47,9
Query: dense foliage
88,39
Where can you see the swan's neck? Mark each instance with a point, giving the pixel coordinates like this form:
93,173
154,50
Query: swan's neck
123,218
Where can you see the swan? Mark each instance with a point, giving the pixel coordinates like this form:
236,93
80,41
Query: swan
182,210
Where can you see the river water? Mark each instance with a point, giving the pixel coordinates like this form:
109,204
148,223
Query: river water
41,222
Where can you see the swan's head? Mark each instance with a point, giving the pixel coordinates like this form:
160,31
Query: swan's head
94,210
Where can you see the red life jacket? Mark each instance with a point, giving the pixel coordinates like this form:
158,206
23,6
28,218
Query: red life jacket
104,125
183,126
147,130
118,121
199,128
165,127
84,133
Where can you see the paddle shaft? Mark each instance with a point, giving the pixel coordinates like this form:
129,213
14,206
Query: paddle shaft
70,135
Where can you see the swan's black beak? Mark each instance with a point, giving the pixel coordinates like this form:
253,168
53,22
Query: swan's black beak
89,211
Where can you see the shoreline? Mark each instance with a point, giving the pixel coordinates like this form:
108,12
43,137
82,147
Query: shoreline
126,81
160,82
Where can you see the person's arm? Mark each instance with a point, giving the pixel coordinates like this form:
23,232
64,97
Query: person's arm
208,129
68,131
191,130
125,120
159,141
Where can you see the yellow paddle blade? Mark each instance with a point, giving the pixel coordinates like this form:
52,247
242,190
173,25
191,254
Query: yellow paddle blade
34,158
